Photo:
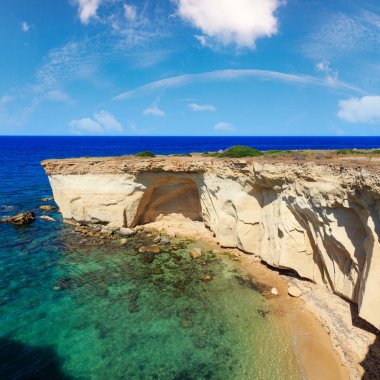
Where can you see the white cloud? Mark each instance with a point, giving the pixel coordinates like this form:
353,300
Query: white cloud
25,27
108,121
154,111
5,99
229,75
102,122
340,34
86,126
87,9
225,127
202,107
360,110
58,96
239,21
130,12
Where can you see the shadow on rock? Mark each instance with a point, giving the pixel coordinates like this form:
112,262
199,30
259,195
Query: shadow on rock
371,363
20,361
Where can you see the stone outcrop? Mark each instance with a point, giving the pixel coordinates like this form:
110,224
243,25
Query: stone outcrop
20,219
320,219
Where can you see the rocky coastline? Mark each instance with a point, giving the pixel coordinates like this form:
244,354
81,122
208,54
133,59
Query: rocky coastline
319,219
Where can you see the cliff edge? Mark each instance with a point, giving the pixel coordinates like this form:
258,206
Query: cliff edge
321,219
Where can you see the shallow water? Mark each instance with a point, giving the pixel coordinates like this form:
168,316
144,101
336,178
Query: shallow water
78,308
114,316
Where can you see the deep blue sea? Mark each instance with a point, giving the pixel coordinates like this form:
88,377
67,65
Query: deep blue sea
71,308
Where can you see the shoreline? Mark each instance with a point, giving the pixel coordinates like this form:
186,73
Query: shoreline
315,332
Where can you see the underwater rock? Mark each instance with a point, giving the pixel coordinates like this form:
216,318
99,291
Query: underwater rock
48,208
186,323
133,307
294,291
148,258
196,253
150,249
20,219
46,217
206,278
61,284
126,231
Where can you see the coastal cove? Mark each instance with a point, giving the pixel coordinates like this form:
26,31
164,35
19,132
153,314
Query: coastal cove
51,268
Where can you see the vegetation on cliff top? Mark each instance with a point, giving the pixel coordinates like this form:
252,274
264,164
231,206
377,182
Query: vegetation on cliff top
145,154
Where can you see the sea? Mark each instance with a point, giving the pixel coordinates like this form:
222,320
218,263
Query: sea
74,308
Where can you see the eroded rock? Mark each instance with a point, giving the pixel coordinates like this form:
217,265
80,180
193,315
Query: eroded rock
20,219
48,218
294,291
47,208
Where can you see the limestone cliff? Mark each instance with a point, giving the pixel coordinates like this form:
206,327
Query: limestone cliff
320,219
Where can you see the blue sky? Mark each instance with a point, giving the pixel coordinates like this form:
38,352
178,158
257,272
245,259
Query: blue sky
189,67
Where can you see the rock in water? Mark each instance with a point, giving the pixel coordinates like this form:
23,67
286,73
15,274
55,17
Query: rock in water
20,219
206,278
47,208
294,291
150,249
195,253
49,218
126,231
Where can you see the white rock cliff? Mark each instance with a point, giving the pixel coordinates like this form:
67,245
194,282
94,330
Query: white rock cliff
322,220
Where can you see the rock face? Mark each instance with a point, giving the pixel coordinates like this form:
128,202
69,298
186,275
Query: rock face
320,219
20,219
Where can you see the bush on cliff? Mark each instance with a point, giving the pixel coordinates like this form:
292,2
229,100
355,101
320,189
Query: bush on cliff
145,154
239,151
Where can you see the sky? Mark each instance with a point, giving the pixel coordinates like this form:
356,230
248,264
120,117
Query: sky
190,67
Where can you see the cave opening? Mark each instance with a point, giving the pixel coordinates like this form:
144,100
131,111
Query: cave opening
169,195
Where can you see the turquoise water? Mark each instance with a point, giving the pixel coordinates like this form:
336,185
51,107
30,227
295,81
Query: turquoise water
77,308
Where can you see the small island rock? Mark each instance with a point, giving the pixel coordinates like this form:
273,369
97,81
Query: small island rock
46,217
47,208
20,219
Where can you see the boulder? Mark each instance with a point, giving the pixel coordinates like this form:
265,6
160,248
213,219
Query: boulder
294,291
123,241
195,253
165,240
48,208
48,218
206,278
274,291
126,231
150,249
20,219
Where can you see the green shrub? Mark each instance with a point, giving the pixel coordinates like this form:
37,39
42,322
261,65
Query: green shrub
145,154
241,151
349,151
273,151
375,151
